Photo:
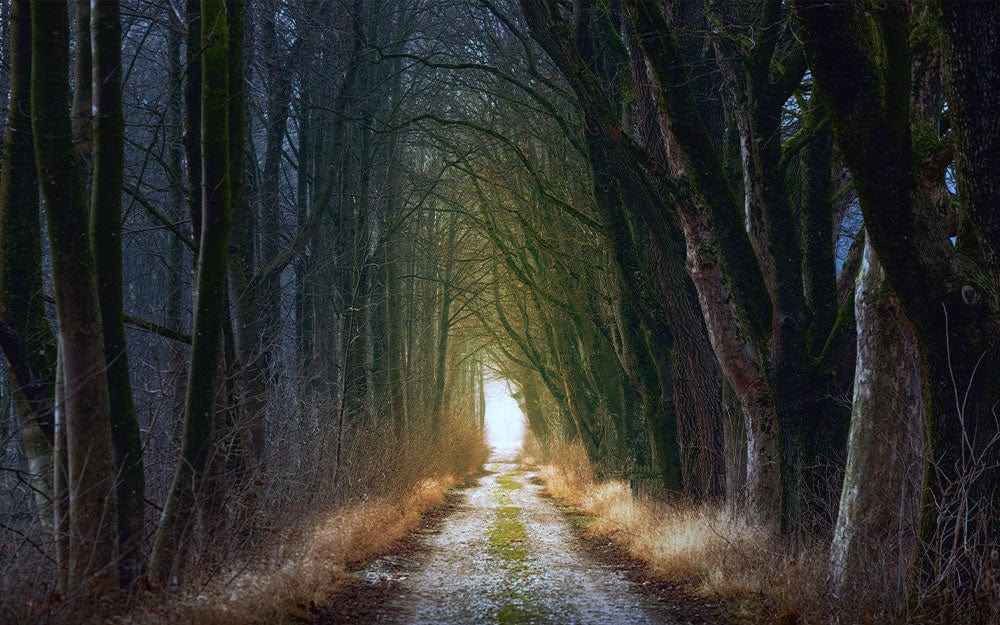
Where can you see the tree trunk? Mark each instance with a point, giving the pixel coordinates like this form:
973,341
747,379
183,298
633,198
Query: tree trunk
734,449
444,326
89,447
246,331
105,234
878,503
278,83
481,400
82,113
60,485
947,290
530,402
211,301
303,264
192,115
25,334
179,212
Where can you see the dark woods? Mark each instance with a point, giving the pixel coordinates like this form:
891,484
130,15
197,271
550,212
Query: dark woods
739,251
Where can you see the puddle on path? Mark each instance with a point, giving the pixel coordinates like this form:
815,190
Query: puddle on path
505,556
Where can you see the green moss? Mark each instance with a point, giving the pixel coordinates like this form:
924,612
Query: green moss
519,614
507,535
508,544
508,482
924,35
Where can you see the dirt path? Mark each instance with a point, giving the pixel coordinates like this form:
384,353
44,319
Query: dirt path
504,555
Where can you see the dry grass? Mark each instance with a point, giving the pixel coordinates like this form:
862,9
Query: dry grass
765,577
292,544
713,552
382,493
310,572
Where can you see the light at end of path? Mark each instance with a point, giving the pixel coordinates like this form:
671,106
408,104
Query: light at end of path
504,419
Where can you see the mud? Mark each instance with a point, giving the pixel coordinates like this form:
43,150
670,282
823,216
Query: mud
501,553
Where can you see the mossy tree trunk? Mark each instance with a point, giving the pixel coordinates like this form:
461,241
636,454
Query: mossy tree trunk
105,234
246,330
25,334
211,300
882,479
90,453
530,401
625,192
947,290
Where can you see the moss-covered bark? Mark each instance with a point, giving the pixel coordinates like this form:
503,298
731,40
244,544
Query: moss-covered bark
626,188
89,445
949,292
25,334
878,502
105,235
246,326
748,262
211,301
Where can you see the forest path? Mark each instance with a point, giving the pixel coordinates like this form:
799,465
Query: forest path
502,555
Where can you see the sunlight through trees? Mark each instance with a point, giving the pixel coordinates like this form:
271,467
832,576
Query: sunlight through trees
263,261
504,418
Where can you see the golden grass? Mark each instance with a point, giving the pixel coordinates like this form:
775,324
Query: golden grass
714,553
313,570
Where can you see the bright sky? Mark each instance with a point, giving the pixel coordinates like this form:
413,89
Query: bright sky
504,420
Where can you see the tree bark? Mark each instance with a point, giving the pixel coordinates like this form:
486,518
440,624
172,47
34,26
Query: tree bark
81,114
105,235
878,503
444,325
947,291
60,485
192,115
89,445
25,333
179,212
246,329
279,91
211,301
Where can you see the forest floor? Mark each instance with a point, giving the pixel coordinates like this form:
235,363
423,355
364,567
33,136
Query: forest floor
501,552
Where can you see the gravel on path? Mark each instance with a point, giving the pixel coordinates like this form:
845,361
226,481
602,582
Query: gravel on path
500,553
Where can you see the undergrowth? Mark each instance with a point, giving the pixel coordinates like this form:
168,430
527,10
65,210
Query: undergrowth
760,576
312,570
312,563
312,523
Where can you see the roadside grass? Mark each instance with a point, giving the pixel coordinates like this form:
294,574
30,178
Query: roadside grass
761,578
306,564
